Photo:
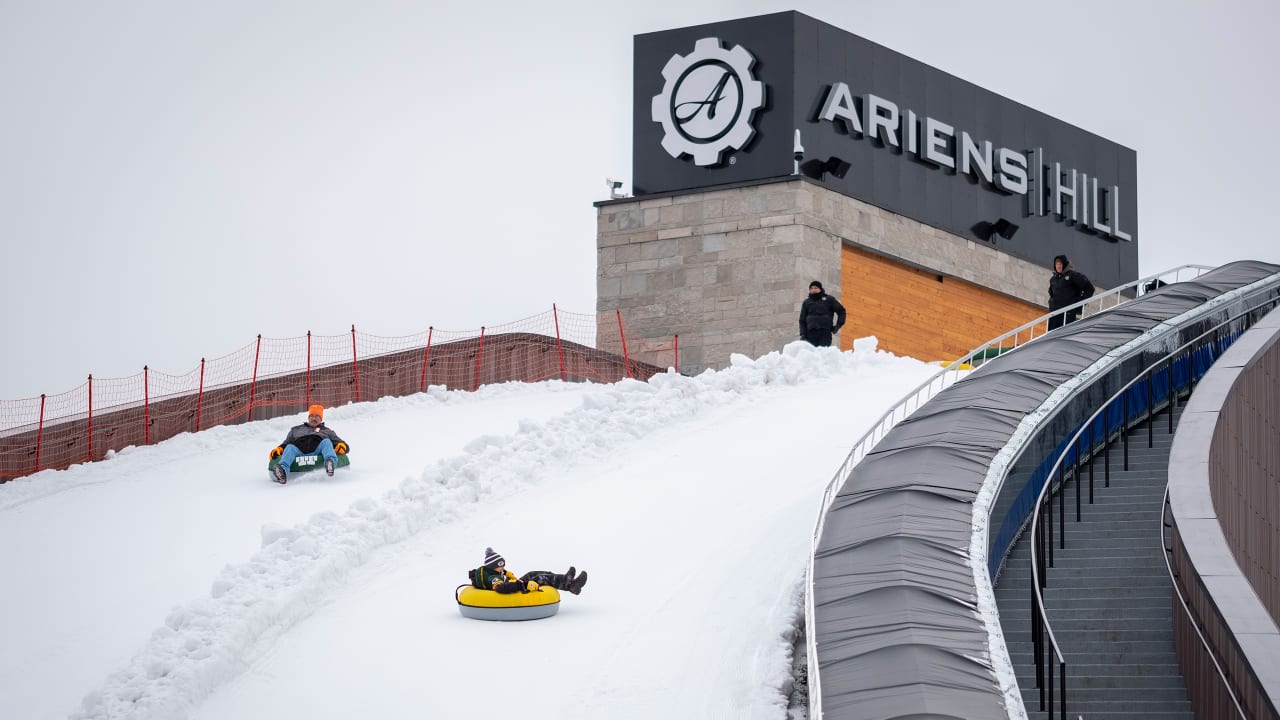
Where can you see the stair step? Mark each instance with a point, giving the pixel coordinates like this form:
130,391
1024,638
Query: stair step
1125,614
1102,599
1108,596
1069,637
1058,575
1091,709
1104,656
1094,677
1163,695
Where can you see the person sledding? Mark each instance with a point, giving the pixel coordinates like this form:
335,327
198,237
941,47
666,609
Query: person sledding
494,575
311,438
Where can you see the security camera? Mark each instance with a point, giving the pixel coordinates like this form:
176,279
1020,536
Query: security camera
797,151
615,188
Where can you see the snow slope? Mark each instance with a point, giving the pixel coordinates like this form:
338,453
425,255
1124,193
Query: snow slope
689,500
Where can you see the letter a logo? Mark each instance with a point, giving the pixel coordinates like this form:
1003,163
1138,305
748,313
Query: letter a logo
708,102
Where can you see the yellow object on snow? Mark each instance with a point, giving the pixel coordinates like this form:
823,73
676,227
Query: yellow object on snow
489,605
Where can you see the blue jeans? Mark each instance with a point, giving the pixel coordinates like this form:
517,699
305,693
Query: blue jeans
291,452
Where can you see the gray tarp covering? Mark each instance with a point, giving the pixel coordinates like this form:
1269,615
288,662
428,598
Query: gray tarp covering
895,620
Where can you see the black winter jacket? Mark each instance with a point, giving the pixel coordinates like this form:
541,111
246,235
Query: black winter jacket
308,438
817,313
1068,287
502,581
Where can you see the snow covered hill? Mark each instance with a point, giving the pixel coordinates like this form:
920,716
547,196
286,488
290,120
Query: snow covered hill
177,581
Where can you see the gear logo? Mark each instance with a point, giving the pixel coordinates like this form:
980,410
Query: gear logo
708,102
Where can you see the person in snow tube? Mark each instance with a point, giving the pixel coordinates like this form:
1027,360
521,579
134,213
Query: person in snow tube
309,438
494,575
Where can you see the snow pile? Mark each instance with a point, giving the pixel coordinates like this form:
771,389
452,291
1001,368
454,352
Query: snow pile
206,642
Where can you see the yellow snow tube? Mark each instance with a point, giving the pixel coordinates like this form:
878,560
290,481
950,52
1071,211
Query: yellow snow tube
488,605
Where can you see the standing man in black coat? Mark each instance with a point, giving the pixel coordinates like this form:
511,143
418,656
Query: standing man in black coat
820,315
1067,287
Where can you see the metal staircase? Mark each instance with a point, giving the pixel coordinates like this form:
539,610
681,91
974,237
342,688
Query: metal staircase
1108,595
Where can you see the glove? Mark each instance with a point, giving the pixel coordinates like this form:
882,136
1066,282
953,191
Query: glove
340,448
532,586
276,452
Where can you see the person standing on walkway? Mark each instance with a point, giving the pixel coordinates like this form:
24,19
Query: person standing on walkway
820,316
1067,286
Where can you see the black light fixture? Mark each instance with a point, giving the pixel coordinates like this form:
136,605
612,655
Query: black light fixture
836,166
1004,229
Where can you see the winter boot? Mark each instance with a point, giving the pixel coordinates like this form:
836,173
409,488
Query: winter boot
568,577
280,473
328,466
575,587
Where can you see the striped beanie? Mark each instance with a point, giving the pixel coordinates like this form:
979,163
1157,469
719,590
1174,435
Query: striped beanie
492,559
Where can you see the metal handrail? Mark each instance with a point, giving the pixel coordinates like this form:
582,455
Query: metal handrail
1039,619
924,392
1182,601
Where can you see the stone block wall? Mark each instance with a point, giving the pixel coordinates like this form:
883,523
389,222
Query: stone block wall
726,269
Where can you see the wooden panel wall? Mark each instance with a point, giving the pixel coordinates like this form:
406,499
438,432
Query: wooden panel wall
921,314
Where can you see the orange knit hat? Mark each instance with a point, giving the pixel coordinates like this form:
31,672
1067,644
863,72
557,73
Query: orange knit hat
316,410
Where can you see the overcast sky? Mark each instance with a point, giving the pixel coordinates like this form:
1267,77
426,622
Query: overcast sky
177,177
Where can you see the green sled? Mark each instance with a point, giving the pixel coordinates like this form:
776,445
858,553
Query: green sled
306,463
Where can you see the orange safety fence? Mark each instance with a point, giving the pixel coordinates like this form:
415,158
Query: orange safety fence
271,377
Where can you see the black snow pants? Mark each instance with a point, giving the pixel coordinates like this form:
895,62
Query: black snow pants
818,337
558,581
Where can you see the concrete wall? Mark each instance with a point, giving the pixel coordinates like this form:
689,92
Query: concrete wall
726,269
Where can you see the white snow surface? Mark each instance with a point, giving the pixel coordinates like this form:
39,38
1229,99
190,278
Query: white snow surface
177,581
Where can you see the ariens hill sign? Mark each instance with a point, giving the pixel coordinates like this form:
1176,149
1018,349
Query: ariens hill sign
725,103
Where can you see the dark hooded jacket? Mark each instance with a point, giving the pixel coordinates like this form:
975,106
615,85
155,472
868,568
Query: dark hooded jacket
500,580
1067,287
820,312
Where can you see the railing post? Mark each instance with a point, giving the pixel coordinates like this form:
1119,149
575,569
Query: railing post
1062,504
308,368
89,457
1187,365
40,433
559,348
1093,444
1075,475
1037,642
253,385
426,360
1050,663
1106,447
1151,409
1124,427
355,362
677,353
146,405
475,378
1046,544
200,396
1062,694
626,358
1048,499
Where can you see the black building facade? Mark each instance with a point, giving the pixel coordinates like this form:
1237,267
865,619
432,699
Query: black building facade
734,101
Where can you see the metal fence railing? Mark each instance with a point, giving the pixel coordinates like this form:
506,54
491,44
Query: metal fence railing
944,378
1137,402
